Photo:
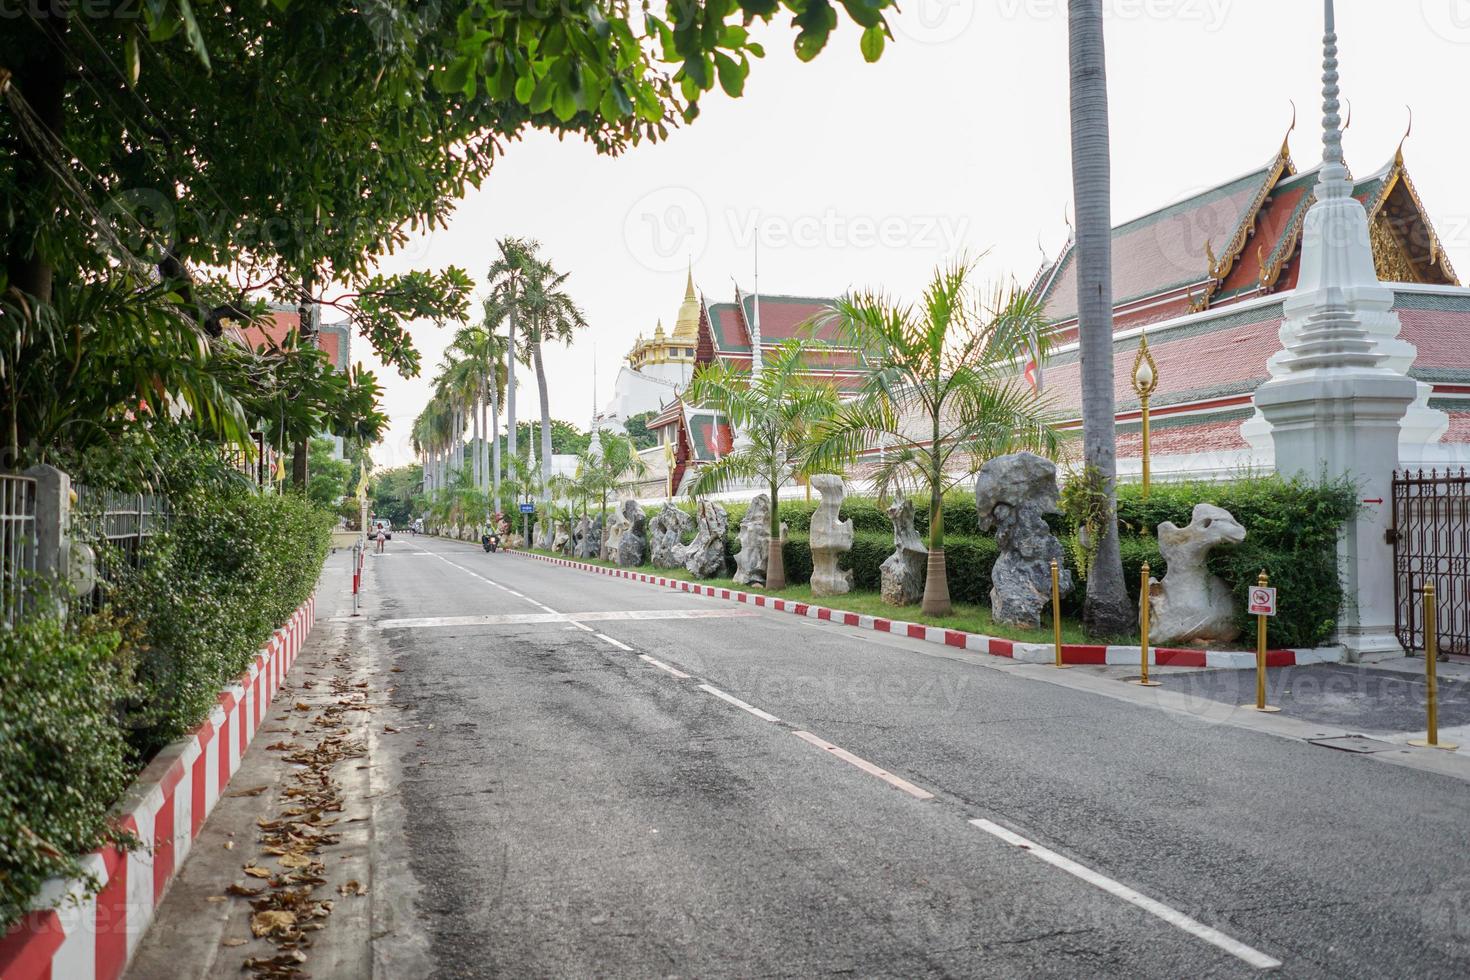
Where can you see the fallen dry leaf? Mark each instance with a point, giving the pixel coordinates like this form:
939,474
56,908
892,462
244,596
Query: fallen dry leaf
233,941
280,746
302,706
352,887
389,730
294,861
257,872
271,920
252,791
244,891
216,898
229,845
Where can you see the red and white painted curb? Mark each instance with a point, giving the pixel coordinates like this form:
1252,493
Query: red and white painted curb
74,937
1077,654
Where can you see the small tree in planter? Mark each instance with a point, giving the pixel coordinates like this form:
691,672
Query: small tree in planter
946,393
774,414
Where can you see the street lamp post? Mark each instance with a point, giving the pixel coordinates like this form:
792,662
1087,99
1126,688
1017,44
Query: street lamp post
1144,380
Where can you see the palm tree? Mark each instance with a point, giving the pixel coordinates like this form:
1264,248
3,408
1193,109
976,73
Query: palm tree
508,275
485,349
551,315
1107,611
775,414
608,462
944,395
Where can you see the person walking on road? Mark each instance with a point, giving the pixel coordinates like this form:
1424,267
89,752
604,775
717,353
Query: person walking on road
381,538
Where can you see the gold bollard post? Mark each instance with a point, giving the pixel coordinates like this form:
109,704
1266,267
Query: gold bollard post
1056,611
1261,704
1143,630
1431,683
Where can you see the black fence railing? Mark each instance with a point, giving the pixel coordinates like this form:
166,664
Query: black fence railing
1431,544
117,528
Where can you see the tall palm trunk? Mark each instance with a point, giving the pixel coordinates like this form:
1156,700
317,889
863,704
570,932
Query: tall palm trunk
510,379
495,442
1107,611
775,556
476,469
545,418
936,575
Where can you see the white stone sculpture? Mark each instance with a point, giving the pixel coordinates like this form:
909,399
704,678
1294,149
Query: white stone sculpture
1190,605
830,538
632,541
755,543
901,576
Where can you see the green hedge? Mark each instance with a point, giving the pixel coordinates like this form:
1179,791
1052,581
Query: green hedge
1292,528
84,705
63,755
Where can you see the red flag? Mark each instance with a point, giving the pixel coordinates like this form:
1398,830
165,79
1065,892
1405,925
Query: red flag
1030,374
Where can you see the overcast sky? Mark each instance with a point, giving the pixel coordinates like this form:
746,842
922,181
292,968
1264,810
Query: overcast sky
956,141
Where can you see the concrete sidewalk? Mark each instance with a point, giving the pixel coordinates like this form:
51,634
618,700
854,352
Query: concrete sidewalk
298,815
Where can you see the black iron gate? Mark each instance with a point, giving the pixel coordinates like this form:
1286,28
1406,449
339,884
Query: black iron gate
1431,544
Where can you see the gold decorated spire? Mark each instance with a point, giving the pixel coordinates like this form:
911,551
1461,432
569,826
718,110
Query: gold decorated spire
686,327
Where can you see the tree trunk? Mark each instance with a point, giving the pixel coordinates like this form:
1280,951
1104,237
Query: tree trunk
936,576
775,558
510,379
475,468
1106,611
40,78
299,474
495,443
545,420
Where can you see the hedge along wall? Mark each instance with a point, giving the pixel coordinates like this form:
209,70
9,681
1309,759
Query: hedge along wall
1291,532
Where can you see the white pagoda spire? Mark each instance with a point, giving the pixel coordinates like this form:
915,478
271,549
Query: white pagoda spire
1335,403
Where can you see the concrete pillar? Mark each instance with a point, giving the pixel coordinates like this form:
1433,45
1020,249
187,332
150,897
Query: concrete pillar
53,521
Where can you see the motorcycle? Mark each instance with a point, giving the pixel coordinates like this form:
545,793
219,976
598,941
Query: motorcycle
490,542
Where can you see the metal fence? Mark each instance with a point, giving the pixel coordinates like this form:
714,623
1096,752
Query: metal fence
17,542
1431,544
116,527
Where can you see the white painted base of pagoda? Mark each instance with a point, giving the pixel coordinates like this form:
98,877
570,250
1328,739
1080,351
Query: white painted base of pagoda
1346,423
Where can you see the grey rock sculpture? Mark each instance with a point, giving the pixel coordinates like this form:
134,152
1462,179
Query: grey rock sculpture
1190,605
830,538
1012,495
705,556
632,540
666,537
588,538
755,543
901,576
562,539
617,526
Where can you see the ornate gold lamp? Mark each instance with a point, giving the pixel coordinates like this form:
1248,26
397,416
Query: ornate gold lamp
1144,380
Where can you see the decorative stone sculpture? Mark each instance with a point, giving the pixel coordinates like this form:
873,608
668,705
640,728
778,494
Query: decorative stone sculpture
633,537
1012,494
705,557
830,538
1190,604
901,576
617,526
588,538
562,539
666,537
755,543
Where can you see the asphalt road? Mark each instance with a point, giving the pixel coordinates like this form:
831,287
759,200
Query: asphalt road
571,807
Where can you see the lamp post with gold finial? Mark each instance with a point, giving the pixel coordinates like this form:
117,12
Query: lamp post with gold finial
1145,379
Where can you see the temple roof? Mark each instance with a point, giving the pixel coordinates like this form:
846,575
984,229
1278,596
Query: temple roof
686,326
1241,239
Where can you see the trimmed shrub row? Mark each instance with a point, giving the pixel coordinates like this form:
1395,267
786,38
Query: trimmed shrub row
84,705
1292,528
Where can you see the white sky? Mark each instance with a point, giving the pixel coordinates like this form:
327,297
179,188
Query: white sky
955,141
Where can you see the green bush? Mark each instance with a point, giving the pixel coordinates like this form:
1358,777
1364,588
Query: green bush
63,756
231,568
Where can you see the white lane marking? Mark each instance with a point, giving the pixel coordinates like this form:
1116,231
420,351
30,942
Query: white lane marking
1174,917
609,640
551,616
762,715
663,666
897,782
583,628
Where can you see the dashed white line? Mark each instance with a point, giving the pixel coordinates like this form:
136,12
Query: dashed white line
1174,917
609,640
663,666
917,792
731,699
